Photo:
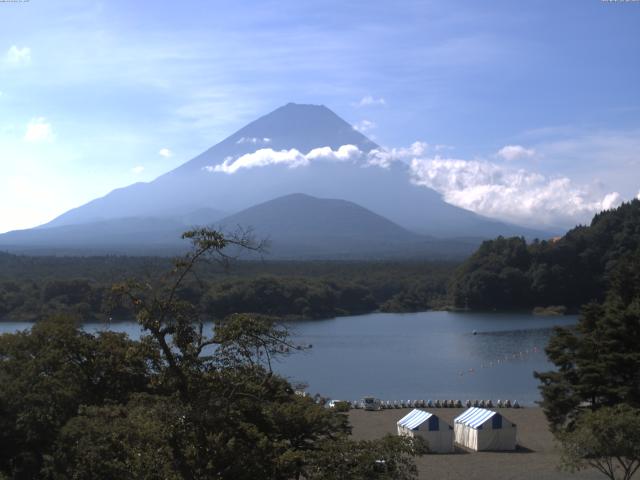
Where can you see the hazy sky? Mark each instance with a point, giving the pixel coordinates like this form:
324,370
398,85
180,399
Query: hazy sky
523,104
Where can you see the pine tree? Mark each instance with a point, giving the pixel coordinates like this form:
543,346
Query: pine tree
598,362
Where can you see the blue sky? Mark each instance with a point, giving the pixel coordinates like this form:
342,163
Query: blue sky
98,95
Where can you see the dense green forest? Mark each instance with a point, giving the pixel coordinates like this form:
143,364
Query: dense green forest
505,273
508,273
35,287
598,361
592,396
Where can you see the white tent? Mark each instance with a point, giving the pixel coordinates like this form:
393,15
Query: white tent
481,429
437,433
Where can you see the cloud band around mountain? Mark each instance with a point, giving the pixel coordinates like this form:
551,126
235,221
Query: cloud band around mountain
492,189
292,158
515,195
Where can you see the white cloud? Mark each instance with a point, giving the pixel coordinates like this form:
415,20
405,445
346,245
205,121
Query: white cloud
165,152
38,130
491,189
260,158
17,56
364,126
380,157
137,170
292,158
515,195
611,200
254,140
638,196
369,101
515,152
343,154
384,157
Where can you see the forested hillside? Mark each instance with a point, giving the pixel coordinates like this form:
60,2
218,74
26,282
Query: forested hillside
32,288
571,271
505,273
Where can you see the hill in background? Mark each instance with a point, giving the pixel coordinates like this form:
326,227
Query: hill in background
570,271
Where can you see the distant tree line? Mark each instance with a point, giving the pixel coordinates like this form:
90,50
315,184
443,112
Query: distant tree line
36,287
505,273
508,273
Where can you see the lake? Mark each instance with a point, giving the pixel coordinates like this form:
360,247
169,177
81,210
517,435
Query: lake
426,355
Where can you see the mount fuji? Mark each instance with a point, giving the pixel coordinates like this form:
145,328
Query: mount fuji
302,156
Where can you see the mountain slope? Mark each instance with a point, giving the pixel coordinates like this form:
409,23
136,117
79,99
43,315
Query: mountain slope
300,226
131,235
303,127
386,191
190,186
296,226
196,185
303,216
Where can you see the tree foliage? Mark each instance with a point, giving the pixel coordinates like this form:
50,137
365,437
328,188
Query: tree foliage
182,403
598,362
32,288
607,439
389,458
592,398
573,270
48,373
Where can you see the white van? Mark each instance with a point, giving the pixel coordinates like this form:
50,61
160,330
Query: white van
371,403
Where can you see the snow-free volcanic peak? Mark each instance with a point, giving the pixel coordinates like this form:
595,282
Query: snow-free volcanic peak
197,184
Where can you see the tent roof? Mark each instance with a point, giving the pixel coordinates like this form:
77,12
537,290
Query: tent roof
414,418
474,417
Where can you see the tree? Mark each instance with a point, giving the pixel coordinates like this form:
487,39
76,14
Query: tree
175,324
48,373
181,403
592,399
238,419
389,458
598,362
570,271
123,441
607,439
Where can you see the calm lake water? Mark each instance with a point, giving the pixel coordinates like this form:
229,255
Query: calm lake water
427,355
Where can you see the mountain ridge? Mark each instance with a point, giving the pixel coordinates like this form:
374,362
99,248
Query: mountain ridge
190,187
280,129
297,226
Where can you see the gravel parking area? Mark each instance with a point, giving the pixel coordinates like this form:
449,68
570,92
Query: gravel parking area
536,458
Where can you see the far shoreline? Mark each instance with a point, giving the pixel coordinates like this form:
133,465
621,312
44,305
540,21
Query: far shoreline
549,311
